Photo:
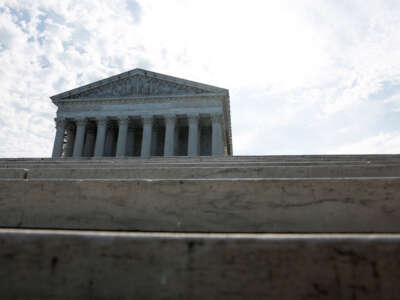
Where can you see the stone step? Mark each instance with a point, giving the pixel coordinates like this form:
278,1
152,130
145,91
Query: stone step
362,160
13,173
382,159
324,157
149,163
51,264
204,205
332,171
194,165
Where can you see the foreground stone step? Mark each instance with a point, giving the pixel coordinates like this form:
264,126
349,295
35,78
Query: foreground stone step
49,264
204,205
203,172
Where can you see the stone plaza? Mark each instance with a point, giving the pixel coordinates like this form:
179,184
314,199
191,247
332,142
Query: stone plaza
142,113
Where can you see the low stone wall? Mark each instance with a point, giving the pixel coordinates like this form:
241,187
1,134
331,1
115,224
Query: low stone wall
38,264
204,205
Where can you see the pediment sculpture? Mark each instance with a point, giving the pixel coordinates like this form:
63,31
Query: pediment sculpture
137,86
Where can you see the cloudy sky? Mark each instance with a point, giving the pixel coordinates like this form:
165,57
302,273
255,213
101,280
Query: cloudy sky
305,76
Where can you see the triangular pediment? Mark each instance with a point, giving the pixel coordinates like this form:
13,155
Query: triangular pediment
138,83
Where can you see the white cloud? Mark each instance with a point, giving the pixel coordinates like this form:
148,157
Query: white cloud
385,143
304,76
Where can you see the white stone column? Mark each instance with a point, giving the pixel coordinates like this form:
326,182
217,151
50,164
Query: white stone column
147,132
170,121
122,135
100,137
217,135
70,141
59,139
79,138
193,140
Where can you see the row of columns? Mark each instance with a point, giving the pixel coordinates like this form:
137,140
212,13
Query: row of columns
74,146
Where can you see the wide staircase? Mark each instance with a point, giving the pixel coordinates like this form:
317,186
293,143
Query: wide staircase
250,227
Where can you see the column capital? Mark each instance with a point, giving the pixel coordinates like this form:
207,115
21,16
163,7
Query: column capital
170,118
60,122
101,121
147,119
216,118
123,120
80,121
193,117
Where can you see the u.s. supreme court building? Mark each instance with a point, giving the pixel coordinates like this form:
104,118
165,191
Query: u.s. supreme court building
142,113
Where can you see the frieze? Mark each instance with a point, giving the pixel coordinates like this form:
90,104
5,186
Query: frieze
101,104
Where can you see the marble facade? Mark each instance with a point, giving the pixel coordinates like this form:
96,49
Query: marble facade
142,113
